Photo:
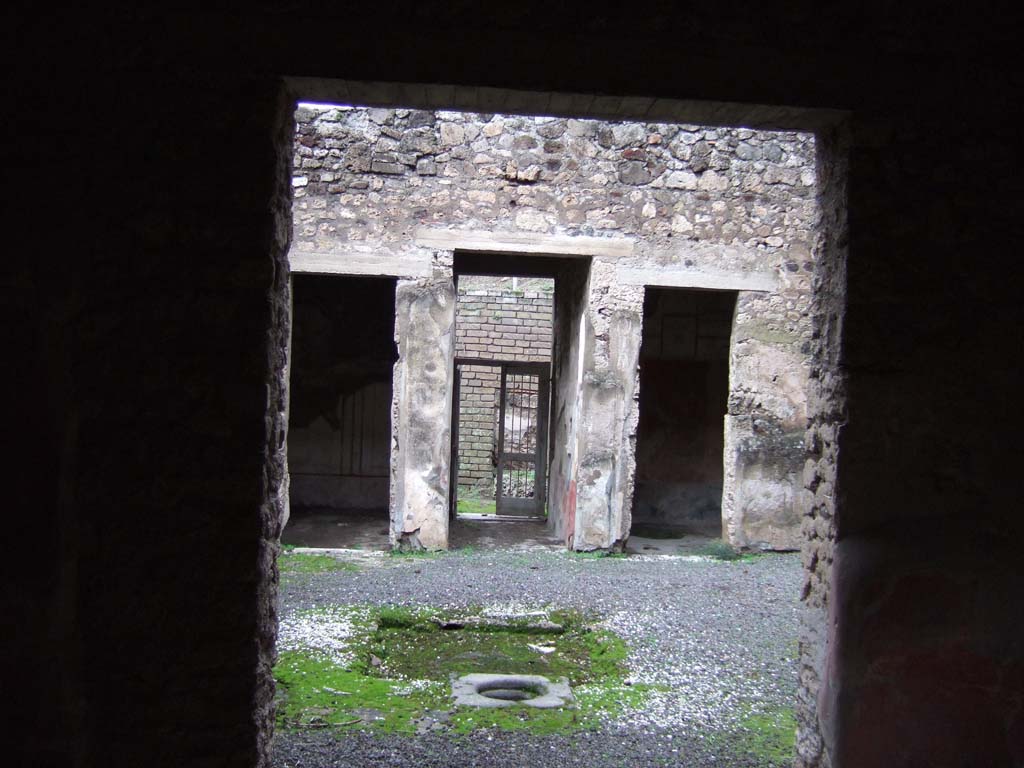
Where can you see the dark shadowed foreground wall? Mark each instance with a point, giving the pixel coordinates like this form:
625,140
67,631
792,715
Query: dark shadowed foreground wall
154,332
145,306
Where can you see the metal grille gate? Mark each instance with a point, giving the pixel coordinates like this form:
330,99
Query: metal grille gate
522,440
520,450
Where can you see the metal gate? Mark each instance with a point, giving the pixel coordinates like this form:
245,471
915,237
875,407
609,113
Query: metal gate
521,456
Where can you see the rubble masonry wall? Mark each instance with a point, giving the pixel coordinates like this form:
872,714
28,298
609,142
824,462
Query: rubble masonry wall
693,206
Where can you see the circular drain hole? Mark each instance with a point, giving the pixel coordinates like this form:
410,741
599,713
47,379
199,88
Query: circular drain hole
508,694
510,690
488,690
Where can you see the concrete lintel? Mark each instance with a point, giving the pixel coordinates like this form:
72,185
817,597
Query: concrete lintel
680,277
523,242
361,261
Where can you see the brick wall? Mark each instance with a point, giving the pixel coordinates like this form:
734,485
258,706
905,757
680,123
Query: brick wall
494,321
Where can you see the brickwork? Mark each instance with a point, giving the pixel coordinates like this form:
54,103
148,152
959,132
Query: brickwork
496,321
478,404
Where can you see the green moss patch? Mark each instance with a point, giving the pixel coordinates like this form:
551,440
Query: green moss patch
290,562
426,554
413,646
719,550
314,692
770,735
473,506
396,669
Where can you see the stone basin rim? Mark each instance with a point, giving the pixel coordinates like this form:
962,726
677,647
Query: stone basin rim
471,690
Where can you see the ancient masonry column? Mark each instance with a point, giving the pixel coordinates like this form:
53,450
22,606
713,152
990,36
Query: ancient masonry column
607,447
421,408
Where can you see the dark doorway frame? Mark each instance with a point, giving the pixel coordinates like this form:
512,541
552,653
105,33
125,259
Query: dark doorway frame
831,127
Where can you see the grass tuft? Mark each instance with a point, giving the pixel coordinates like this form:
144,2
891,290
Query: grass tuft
771,735
719,550
473,506
596,554
290,562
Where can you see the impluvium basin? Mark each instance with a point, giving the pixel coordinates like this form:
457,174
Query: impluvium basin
489,690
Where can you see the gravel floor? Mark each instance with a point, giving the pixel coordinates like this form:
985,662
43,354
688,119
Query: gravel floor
721,634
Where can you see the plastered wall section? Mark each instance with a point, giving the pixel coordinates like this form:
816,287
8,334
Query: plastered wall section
569,357
608,423
764,497
421,411
377,189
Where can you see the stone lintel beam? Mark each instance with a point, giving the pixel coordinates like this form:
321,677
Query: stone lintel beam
362,260
524,243
683,277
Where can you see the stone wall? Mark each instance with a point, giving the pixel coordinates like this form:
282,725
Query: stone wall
378,189
495,321
826,418
373,176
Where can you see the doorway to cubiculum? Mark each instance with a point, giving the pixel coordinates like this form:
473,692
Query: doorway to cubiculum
501,397
339,435
516,391
684,391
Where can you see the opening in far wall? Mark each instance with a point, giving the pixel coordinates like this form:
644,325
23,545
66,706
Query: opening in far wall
503,370
702,207
339,436
684,390
530,329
